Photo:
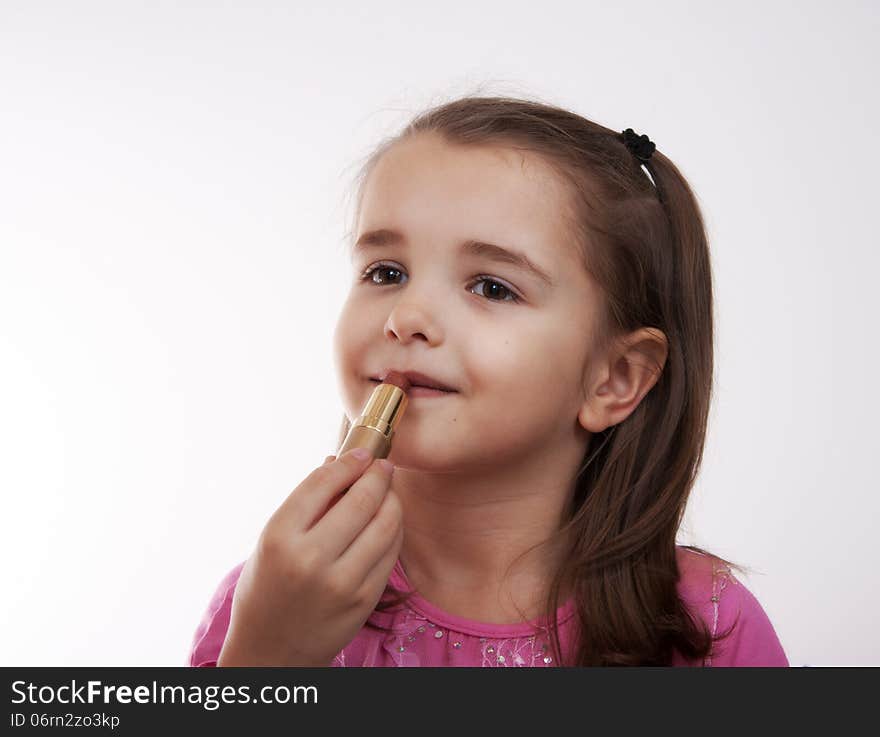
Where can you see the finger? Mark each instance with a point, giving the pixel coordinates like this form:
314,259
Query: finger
377,540
338,528
377,577
332,500
307,502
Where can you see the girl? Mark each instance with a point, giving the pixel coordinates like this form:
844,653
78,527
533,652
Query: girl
553,277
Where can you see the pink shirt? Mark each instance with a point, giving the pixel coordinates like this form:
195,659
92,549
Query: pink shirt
420,634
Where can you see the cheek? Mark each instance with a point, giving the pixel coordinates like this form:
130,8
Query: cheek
517,357
537,367
340,341
350,334
344,346
353,345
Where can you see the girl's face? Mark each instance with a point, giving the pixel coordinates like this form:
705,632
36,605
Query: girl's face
507,325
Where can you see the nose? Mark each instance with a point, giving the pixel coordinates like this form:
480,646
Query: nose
410,319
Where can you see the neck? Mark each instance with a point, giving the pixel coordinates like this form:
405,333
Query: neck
483,543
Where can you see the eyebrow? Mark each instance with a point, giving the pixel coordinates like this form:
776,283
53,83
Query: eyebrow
387,237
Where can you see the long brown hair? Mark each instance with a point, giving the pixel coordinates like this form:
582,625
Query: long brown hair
645,245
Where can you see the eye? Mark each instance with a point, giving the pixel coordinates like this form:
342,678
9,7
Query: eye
378,270
380,274
496,287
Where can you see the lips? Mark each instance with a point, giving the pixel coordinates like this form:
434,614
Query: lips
418,380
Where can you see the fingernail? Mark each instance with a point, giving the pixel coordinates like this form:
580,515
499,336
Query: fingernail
387,466
361,454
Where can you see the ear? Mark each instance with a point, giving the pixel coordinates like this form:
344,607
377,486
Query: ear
620,378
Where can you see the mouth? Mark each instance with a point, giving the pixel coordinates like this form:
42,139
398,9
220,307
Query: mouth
418,390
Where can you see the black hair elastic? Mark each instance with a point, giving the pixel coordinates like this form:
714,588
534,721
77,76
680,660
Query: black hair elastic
641,147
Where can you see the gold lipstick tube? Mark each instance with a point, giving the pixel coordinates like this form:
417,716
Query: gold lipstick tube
375,427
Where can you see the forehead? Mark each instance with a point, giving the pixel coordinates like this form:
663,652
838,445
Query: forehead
445,192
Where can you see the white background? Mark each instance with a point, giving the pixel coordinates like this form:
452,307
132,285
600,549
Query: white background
175,180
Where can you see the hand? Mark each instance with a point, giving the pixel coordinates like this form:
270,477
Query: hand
319,568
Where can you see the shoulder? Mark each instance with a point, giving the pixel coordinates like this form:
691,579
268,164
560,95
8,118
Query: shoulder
211,631
731,612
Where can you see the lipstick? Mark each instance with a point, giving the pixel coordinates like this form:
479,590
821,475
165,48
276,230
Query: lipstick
379,418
